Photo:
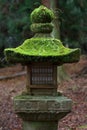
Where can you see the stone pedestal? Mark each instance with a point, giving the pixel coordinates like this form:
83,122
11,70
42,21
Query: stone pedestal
40,125
41,112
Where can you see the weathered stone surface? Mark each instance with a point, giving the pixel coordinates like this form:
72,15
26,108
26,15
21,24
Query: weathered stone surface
42,116
42,107
42,103
40,125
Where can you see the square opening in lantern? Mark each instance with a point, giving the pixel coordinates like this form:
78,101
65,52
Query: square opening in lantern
41,75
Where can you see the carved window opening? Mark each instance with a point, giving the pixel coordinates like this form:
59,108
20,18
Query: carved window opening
42,75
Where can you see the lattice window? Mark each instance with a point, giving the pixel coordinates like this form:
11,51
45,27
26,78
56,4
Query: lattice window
42,75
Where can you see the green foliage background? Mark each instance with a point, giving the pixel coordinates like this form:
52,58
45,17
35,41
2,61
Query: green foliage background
15,22
73,23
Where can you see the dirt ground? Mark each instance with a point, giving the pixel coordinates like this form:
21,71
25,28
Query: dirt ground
75,88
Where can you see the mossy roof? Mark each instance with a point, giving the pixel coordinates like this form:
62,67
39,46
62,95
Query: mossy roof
42,50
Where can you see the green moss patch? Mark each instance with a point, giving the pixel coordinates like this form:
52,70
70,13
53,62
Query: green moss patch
83,127
42,15
42,49
42,28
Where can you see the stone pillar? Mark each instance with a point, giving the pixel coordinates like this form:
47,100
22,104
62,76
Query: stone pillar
39,125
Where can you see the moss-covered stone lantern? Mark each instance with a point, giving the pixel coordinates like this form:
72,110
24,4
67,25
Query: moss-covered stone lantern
41,108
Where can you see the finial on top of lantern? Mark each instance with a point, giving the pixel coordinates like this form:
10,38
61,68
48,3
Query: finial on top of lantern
41,19
42,15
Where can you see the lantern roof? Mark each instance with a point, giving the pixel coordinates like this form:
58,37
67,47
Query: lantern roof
42,47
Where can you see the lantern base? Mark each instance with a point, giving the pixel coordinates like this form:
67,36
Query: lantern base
41,112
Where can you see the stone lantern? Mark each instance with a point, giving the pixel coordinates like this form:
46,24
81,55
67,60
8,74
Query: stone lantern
40,107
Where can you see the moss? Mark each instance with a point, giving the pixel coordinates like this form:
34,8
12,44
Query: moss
58,97
83,127
42,28
42,50
42,15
